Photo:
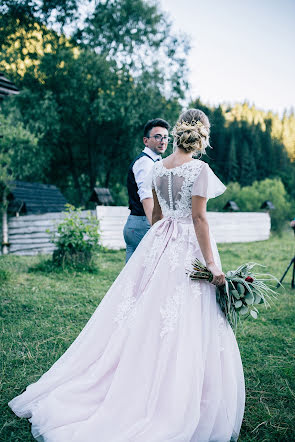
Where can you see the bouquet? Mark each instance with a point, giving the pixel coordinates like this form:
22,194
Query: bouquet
242,292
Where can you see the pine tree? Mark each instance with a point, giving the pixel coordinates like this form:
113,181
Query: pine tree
232,167
219,142
248,166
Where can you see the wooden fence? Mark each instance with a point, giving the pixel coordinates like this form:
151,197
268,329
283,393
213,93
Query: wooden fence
27,234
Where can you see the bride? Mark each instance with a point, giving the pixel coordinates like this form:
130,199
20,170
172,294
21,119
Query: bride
157,361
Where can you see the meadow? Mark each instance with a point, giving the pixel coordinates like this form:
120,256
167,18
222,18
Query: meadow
43,310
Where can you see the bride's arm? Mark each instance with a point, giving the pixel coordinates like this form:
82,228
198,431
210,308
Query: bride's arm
157,212
201,226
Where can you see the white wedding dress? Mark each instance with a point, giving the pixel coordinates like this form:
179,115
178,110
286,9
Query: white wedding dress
157,361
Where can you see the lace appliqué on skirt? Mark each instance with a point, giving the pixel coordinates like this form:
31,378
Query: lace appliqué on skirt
196,289
154,250
171,311
222,327
176,252
126,308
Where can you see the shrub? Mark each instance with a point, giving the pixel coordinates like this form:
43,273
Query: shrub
250,198
76,240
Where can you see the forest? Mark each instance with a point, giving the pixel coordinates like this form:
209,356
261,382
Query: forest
90,75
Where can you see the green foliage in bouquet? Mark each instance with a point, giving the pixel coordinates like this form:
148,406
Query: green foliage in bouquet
242,292
76,240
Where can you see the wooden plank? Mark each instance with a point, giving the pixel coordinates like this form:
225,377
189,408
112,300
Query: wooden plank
28,240
54,216
51,215
33,252
112,211
33,224
17,236
28,246
30,231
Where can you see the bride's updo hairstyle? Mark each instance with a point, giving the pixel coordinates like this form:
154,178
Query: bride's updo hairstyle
191,132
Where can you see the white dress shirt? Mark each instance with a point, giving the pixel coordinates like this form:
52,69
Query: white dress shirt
141,169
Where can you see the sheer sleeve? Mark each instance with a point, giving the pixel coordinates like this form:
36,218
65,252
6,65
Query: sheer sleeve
207,184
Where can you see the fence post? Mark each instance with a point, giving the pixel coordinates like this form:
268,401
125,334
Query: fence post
5,243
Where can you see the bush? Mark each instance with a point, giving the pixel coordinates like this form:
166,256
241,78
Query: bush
250,198
76,240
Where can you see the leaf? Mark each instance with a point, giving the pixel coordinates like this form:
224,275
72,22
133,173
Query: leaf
235,293
253,313
244,310
257,298
238,304
240,288
249,298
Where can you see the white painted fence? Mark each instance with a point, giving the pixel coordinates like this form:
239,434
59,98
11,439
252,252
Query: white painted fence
239,226
112,220
226,227
27,234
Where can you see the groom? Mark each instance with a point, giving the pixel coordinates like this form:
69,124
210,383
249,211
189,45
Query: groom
155,139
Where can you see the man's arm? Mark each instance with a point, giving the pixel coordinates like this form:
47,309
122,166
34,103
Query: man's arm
142,169
148,204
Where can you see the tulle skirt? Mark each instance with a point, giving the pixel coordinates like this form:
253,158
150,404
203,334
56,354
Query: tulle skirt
156,362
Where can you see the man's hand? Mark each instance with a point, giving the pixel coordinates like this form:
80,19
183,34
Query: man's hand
148,205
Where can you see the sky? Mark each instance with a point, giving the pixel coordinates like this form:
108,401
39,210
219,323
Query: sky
241,50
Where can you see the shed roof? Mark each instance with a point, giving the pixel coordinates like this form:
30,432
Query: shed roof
6,87
101,195
35,198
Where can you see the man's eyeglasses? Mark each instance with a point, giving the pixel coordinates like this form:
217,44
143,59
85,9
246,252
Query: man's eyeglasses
159,137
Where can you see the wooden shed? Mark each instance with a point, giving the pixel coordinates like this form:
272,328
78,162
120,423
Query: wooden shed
101,196
34,198
42,205
6,87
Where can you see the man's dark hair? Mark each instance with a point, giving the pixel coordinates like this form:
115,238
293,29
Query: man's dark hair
156,122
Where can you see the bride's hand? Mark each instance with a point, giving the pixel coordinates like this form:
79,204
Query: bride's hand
218,275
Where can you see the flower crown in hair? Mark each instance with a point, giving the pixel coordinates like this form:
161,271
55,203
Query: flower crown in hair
183,126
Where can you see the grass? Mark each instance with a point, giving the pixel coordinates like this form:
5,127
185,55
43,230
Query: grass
43,310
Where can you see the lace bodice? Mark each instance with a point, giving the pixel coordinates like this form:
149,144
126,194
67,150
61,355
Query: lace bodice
175,187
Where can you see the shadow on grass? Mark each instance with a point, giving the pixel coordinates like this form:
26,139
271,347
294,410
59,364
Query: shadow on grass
49,266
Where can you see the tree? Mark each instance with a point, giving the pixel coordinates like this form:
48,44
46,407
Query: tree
219,141
122,27
15,14
20,156
287,136
248,167
89,116
88,96
87,100
232,167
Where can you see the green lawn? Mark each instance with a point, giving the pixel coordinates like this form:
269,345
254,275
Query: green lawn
43,311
